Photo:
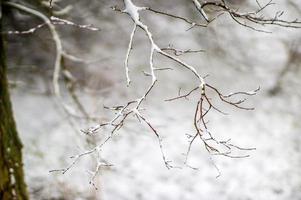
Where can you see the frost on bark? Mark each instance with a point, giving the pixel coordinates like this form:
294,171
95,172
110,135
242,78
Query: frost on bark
12,184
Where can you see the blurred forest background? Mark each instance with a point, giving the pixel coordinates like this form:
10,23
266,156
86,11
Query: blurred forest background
235,58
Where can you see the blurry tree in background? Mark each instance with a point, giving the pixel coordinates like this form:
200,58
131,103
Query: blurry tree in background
12,181
12,185
11,159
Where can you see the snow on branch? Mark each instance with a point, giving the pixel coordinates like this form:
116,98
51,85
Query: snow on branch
250,19
133,108
54,21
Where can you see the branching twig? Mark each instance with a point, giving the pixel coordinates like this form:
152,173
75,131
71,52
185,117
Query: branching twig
204,103
178,52
251,18
133,107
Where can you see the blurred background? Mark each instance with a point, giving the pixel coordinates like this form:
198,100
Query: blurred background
235,58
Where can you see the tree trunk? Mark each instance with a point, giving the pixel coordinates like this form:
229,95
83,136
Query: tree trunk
12,184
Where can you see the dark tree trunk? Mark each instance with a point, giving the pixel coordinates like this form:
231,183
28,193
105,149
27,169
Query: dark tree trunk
12,184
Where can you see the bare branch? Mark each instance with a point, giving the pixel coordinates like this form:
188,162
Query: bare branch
253,18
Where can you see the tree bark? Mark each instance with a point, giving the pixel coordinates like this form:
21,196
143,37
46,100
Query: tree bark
12,184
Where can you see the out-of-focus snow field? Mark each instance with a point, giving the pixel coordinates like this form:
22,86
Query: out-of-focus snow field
236,59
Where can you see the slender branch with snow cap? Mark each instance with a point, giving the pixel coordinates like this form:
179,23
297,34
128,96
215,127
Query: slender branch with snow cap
126,62
133,11
200,9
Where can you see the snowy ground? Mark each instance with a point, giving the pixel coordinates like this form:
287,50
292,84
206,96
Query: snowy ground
272,172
